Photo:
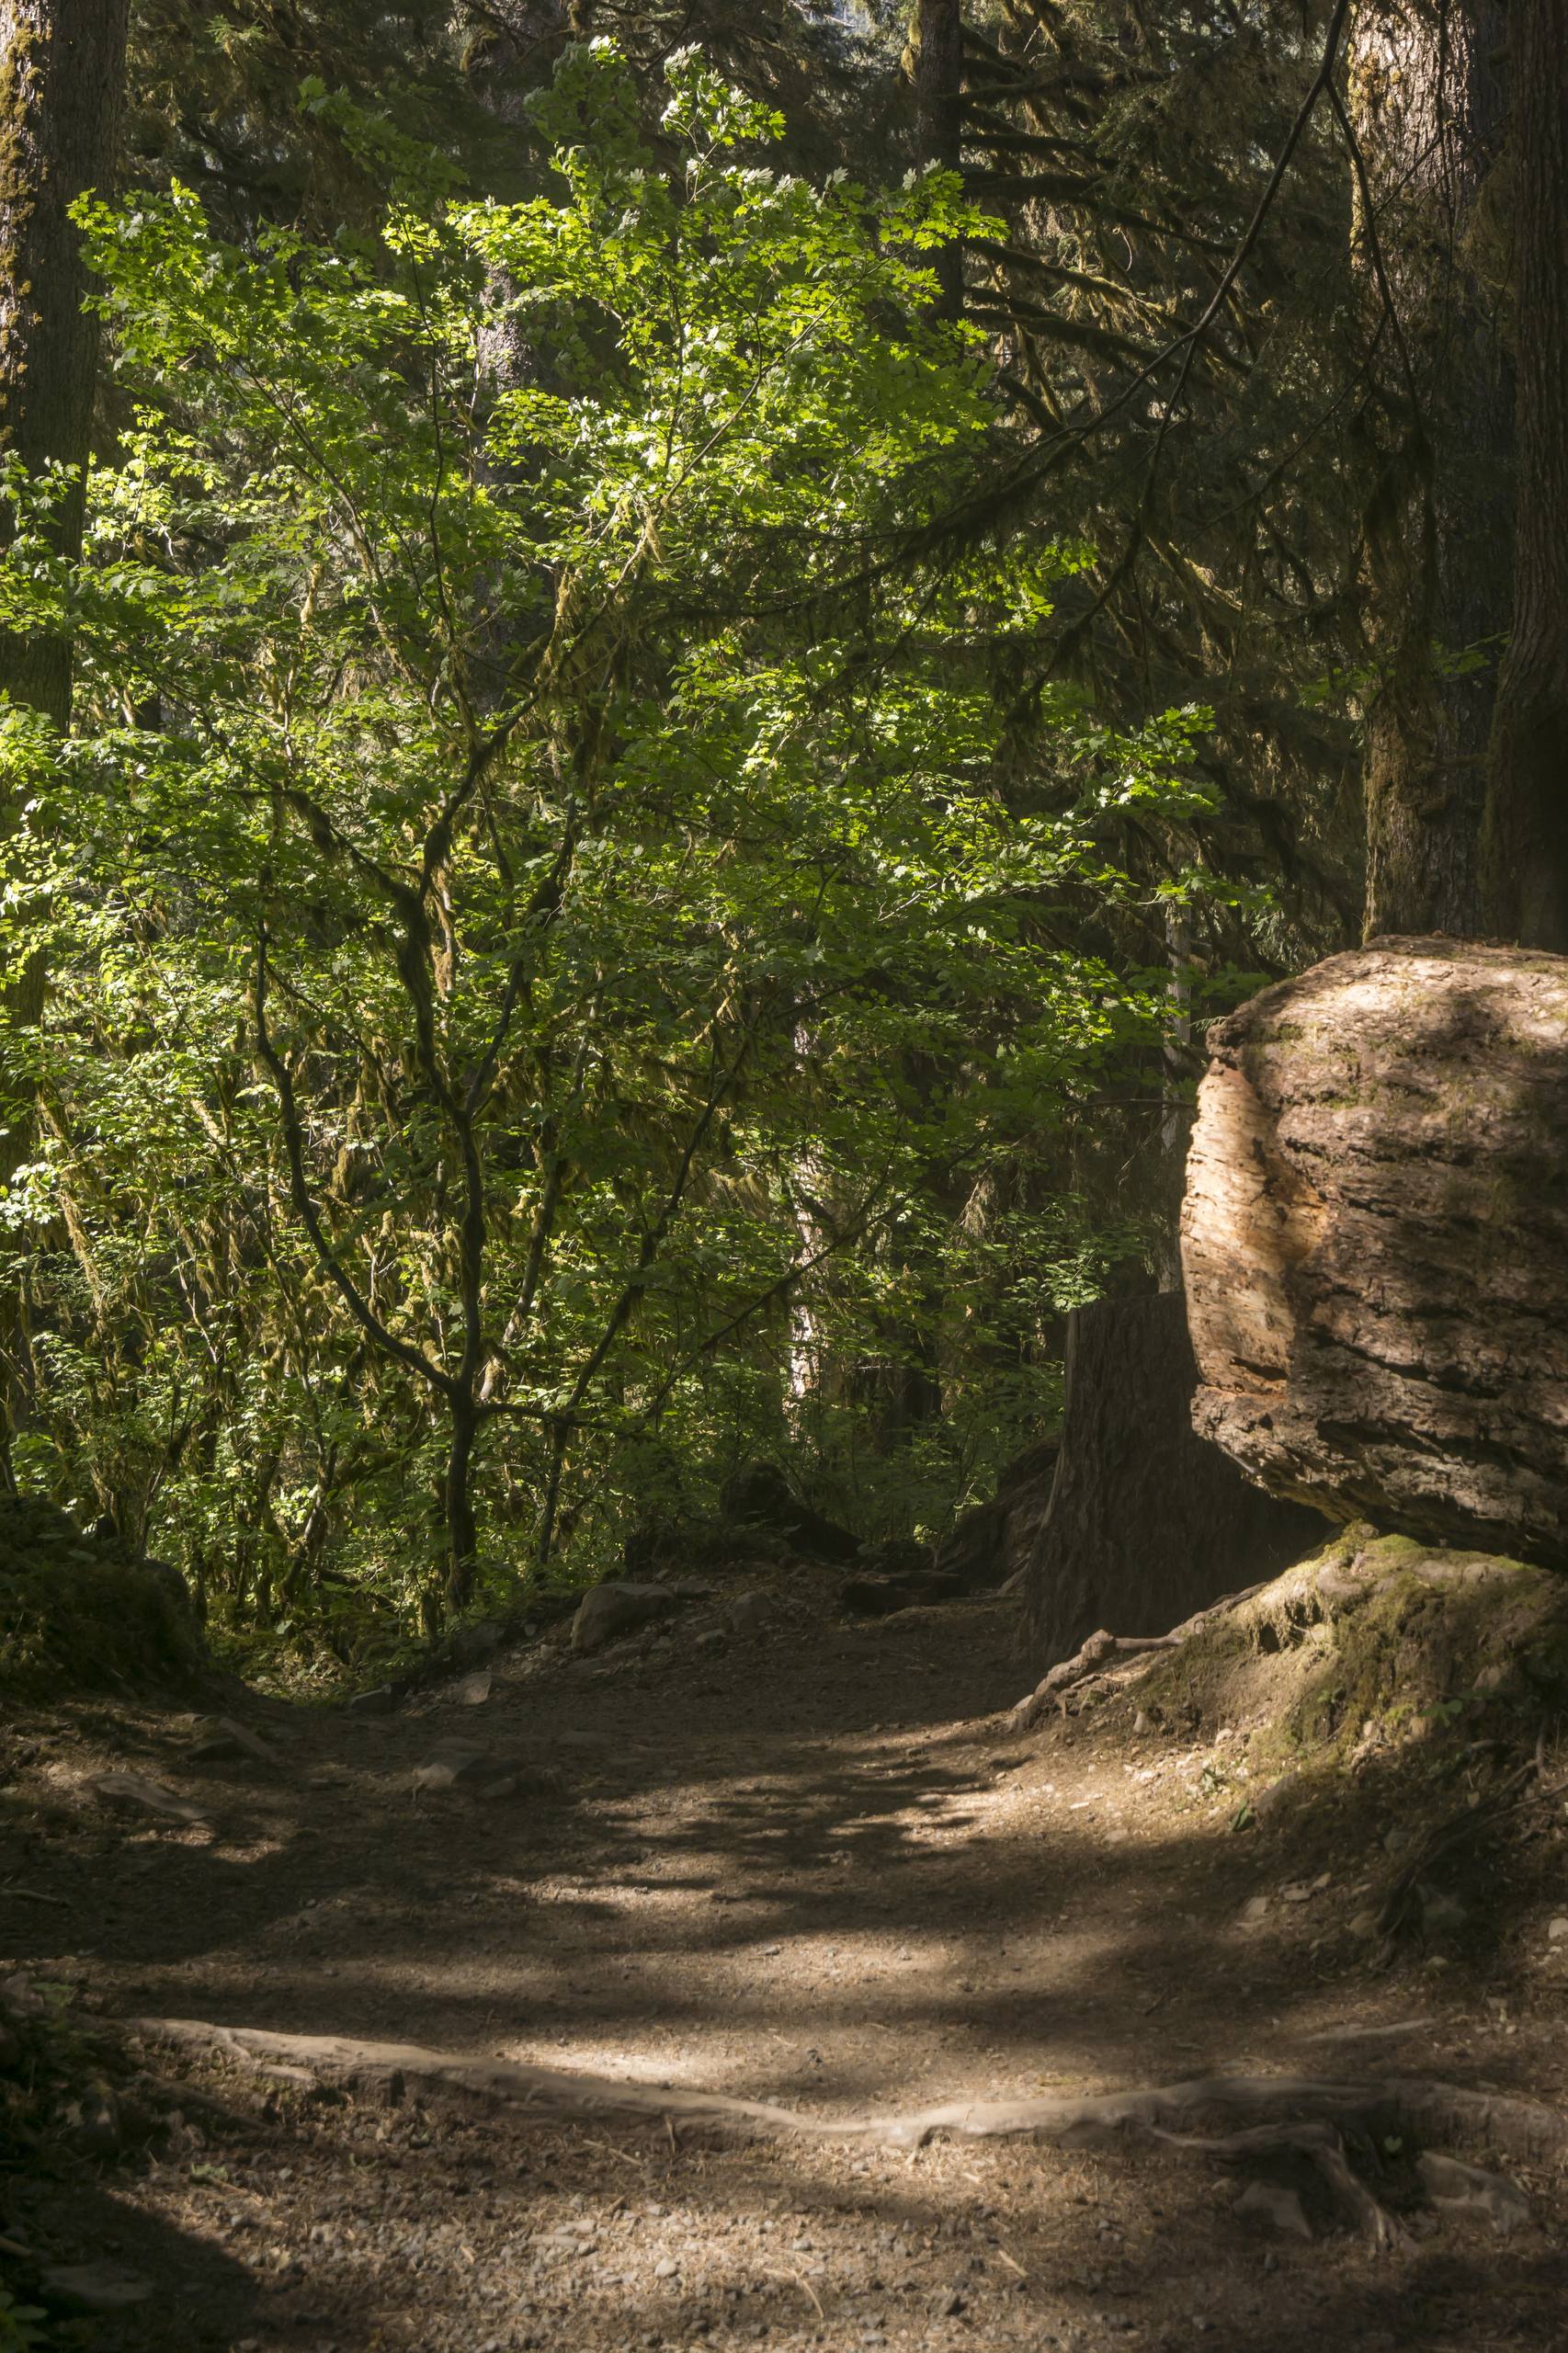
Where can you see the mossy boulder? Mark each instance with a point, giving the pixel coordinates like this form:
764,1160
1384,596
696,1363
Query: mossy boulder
1374,1640
82,1613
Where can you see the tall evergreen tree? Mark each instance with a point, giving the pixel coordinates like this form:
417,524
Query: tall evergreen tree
1423,115
1527,789
62,80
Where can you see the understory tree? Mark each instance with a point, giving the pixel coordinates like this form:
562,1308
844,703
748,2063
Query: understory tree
543,791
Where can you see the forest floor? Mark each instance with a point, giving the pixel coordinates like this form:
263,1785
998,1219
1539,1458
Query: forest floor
797,1860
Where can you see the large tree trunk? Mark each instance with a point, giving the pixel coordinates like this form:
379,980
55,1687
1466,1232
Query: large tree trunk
62,76
1527,830
1147,1522
1376,1242
937,44
1427,101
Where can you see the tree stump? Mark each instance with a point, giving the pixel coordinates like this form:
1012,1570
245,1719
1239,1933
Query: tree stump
993,1538
1375,1240
1147,1522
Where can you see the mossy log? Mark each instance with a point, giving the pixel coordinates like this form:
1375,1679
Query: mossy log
1375,1243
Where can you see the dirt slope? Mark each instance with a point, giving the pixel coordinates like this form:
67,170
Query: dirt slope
798,1861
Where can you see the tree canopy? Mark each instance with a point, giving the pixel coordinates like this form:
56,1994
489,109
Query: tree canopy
675,714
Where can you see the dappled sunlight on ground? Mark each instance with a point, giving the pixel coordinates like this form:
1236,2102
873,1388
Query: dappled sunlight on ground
807,1866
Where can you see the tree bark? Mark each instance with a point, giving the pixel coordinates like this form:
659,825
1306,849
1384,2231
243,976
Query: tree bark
462,1535
1147,1522
938,81
62,78
1426,110
1527,816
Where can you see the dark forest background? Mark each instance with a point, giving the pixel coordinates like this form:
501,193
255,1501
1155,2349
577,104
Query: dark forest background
528,992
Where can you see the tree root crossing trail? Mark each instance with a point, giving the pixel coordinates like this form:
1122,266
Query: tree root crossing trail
752,1982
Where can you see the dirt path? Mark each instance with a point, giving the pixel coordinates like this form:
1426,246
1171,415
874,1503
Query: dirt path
798,1861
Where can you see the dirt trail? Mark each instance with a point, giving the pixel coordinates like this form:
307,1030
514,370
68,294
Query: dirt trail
797,1862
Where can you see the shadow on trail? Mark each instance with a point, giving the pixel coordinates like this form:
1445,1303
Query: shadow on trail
818,1901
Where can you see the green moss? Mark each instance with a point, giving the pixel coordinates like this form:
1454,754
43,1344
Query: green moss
1378,1631
78,1615
19,76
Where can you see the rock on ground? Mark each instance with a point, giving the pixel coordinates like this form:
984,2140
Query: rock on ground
609,1611
1375,1240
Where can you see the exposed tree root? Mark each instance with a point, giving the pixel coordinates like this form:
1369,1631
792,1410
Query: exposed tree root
1323,2146
1303,2115
1104,1651
1101,1652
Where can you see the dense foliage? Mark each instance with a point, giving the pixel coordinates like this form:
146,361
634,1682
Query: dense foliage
567,947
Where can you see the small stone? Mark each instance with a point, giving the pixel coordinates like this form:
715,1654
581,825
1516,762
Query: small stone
19,1998
1254,1911
378,1702
665,2268
609,1611
1272,2202
134,1792
97,2286
475,1690
1457,2188
1143,1722
226,1737
454,1762
1557,1933
711,1639
1269,1803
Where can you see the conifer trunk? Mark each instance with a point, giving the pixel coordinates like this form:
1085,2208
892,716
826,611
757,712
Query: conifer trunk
939,80
62,76
1527,831
1147,1522
1426,102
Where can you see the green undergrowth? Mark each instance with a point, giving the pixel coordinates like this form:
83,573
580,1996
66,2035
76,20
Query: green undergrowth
1375,1641
83,1614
